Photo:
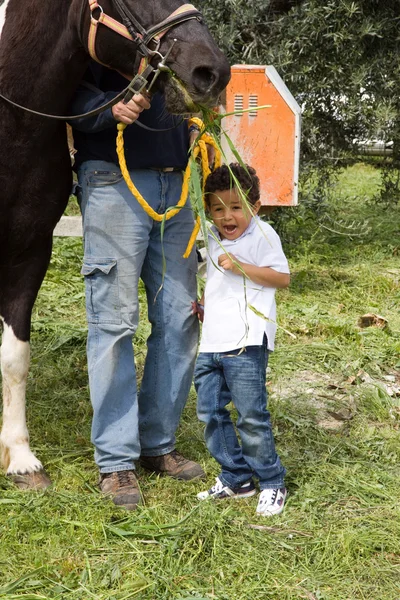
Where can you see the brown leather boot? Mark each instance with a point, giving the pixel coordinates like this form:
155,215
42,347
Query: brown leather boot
122,487
173,464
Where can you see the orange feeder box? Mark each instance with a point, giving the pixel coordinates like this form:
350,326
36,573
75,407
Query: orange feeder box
268,139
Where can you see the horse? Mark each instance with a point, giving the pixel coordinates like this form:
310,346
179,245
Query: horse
45,48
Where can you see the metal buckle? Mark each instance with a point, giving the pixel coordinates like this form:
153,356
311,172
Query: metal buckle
138,83
93,20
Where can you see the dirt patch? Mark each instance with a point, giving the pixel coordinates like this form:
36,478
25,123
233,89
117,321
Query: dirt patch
333,401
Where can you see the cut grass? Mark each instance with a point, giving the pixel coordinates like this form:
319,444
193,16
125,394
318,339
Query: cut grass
338,538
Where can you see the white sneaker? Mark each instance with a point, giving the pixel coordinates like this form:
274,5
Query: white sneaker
271,502
220,491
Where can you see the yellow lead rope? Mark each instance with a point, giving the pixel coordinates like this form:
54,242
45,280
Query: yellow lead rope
200,148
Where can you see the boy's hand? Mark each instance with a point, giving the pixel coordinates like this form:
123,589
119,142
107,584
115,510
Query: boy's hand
265,276
198,309
229,262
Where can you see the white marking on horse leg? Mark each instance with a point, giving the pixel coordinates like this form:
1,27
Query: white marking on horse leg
14,438
3,9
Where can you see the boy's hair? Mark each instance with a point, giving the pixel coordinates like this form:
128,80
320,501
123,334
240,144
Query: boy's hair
221,179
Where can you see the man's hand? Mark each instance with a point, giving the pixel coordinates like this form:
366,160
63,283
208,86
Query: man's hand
229,262
210,149
128,113
210,155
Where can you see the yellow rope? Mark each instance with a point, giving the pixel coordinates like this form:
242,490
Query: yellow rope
201,148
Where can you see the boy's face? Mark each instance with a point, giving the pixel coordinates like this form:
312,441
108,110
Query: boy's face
230,214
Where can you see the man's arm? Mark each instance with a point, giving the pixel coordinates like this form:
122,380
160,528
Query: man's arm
88,97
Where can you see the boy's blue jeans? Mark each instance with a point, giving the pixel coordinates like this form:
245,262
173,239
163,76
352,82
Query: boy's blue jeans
238,376
122,244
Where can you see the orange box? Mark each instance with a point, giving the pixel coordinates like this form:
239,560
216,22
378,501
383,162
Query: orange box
268,139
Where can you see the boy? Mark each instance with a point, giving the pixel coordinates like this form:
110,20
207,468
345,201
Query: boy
244,267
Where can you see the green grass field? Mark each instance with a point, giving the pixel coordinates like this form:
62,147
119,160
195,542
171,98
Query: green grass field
335,404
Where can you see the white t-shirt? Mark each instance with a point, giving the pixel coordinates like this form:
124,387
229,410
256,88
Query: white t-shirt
229,321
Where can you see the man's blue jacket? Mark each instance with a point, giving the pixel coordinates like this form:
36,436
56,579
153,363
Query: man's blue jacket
95,137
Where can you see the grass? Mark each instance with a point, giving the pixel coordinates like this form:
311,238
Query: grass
335,404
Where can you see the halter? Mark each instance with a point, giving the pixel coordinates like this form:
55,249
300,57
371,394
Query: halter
141,38
131,29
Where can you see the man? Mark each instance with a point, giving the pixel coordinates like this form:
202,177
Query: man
122,244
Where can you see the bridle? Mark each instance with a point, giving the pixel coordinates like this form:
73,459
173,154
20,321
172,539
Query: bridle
131,29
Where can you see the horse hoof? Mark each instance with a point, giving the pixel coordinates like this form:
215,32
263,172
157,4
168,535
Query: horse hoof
38,480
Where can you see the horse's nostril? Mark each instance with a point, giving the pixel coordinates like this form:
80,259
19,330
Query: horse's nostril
204,79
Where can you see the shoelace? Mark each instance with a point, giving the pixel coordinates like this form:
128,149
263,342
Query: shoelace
273,497
218,487
178,457
125,478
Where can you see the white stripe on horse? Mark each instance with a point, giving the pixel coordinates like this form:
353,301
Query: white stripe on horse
14,438
3,9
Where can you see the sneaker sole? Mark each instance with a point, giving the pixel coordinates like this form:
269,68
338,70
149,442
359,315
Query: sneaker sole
268,513
227,497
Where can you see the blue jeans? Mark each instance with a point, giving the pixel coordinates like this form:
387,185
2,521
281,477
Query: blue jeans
122,244
238,376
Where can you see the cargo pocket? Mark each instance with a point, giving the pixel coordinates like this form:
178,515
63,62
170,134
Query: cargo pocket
102,293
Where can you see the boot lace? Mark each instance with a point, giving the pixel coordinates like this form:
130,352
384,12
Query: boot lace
126,478
177,457
268,496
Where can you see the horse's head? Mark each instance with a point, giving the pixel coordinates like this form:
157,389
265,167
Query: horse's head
197,70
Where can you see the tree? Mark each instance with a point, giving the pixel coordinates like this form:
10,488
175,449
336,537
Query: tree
339,58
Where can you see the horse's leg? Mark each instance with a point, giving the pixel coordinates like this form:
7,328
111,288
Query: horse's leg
16,456
19,287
